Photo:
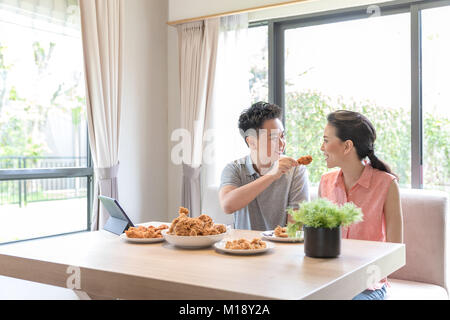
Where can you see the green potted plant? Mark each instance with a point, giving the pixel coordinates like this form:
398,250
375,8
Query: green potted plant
322,221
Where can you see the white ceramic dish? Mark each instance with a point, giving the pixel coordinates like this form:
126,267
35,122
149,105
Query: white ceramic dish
269,235
220,246
192,242
123,236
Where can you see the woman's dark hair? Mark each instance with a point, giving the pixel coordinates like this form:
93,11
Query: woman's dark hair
354,126
253,118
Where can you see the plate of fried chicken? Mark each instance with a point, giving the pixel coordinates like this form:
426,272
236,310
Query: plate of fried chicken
199,232
243,246
279,234
143,234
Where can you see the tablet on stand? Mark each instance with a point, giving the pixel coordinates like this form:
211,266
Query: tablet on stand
118,220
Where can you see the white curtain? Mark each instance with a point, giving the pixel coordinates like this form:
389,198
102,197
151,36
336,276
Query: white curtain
197,53
101,25
231,96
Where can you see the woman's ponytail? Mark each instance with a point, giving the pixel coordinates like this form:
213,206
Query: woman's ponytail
357,128
378,164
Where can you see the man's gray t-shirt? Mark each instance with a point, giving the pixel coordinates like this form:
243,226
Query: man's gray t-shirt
268,209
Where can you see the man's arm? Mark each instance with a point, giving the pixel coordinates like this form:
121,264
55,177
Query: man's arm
233,198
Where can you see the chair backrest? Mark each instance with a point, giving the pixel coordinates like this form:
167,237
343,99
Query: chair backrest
425,234
211,206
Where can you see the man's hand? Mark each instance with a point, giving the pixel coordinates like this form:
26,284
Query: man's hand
282,166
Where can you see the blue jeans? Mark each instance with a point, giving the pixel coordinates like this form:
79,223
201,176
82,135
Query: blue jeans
378,294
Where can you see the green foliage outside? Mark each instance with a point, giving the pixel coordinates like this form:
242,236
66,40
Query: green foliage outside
305,118
23,117
306,114
322,213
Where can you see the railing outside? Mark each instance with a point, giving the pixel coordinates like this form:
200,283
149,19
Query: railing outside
21,192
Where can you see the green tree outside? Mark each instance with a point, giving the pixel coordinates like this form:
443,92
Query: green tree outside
306,114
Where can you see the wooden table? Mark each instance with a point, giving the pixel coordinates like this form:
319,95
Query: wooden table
102,265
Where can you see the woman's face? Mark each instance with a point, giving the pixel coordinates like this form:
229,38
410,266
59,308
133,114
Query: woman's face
332,147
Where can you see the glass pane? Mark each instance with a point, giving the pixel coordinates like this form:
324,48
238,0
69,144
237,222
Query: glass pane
42,96
360,65
258,38
36,208
436,97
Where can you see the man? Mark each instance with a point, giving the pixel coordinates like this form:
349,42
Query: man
261,186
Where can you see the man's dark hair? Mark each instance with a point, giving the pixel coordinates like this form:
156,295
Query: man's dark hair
252,119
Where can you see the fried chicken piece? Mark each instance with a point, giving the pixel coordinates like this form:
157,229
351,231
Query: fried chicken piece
305,160
220,228
203,225
213,231
280,232
207,221
133,233
173,226
183,226
184,211
143,232
258,243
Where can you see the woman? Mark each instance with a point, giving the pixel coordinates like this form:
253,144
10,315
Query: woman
348,139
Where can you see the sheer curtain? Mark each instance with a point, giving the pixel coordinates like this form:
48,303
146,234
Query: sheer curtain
223,143
197,42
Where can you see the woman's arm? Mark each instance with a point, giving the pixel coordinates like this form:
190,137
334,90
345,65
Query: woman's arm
393,214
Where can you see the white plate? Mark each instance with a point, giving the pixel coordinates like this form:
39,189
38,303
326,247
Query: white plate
123,236
269,235
192,242
220,246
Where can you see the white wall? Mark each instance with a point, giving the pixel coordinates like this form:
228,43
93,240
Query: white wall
143,135
174,171
185,9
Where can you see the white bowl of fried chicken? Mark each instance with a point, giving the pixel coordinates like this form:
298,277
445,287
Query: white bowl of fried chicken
199,232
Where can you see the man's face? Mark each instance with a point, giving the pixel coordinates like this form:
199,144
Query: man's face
270,142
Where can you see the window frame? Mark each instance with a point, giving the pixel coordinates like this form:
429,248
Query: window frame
55,173
276,75
19,174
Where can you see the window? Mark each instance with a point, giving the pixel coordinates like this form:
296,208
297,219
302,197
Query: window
45,169
436,97
392,67
361,65
259,63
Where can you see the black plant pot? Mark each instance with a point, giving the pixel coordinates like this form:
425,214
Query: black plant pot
322,242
